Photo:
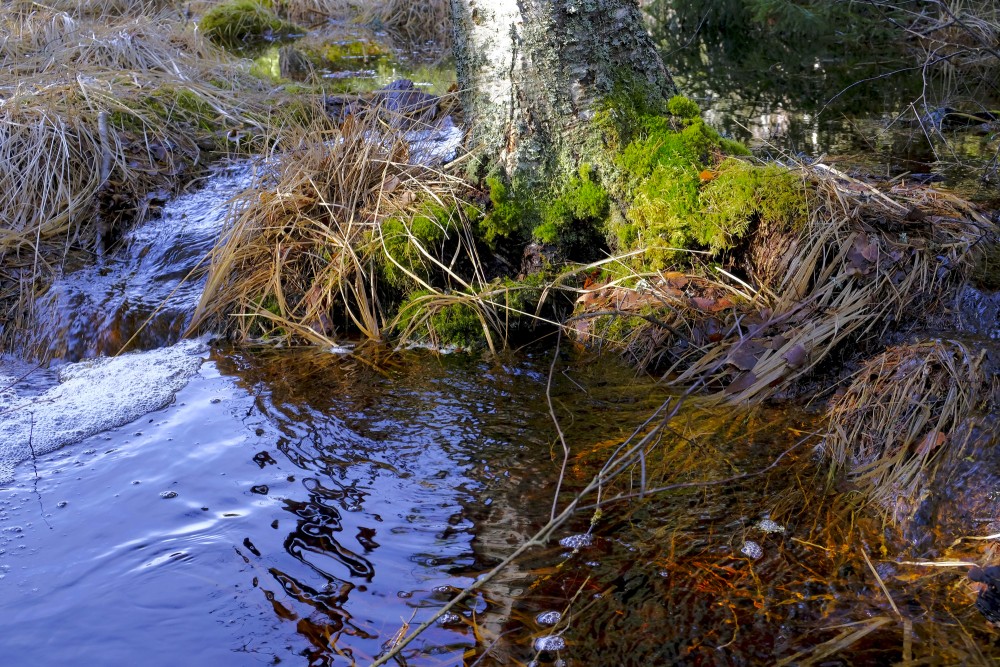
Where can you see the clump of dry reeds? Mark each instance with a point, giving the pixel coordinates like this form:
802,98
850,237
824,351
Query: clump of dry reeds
94,115
860,263
904,411
306,253
413,23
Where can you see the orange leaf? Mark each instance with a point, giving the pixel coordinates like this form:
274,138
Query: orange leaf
707,175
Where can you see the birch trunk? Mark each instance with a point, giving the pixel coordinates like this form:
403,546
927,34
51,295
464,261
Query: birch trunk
534,71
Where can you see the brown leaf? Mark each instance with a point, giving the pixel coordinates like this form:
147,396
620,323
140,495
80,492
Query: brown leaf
703,304
744,360
795,356
742,383
676,279
708,305
930,442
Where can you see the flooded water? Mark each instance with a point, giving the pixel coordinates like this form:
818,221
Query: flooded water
300,507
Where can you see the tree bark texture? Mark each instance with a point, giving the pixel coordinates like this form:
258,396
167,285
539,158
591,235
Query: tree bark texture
533,72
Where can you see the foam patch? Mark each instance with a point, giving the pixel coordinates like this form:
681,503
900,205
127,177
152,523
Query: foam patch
92,396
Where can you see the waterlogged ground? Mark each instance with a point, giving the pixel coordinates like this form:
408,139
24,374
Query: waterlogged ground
300,507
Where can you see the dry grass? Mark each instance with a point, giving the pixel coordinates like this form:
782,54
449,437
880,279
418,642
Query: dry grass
863,261
305,252
905,410
413,23
95,113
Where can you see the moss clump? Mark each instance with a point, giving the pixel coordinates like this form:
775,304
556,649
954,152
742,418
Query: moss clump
457,324
686,194
742,194
408,242
444,321
574,221
661,215
243,21
683,107
509,217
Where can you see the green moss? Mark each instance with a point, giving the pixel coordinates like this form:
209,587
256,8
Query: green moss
731,147
457,324
575,220
683,107
744,194
409,241
350,53
424,314
683,193
242,21
660,217
509,217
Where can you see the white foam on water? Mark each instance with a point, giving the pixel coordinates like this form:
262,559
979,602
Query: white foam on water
92,396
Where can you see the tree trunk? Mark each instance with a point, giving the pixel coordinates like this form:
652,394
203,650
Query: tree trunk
534,72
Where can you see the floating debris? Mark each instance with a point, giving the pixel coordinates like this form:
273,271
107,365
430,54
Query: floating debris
550,643
577,541
548,618
449,619
752,550
768,526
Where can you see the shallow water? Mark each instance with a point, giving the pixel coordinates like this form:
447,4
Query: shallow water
141,295
301,507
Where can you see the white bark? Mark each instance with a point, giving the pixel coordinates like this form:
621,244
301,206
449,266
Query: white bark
532,72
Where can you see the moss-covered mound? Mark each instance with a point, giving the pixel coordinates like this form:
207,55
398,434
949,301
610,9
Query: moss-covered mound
244,21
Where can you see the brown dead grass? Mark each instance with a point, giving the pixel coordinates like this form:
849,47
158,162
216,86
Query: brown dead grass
95,113
304,253
905,410
862,262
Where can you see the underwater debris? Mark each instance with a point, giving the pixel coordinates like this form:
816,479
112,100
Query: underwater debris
988,599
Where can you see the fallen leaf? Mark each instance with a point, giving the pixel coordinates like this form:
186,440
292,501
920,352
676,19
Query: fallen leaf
930,442
742,359
795,356
676,279
742,383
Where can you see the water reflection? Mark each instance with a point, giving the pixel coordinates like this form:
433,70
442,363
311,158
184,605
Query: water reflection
302,508
818,78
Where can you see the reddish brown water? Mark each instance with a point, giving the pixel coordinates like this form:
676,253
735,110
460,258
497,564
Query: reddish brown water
299,508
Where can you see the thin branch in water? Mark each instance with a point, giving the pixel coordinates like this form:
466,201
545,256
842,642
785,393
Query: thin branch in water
555,421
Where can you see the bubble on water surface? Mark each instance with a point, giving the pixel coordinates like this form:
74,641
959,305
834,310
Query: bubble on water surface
577,541
93,396
550,643
449,619
548,618
752,550
769,526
